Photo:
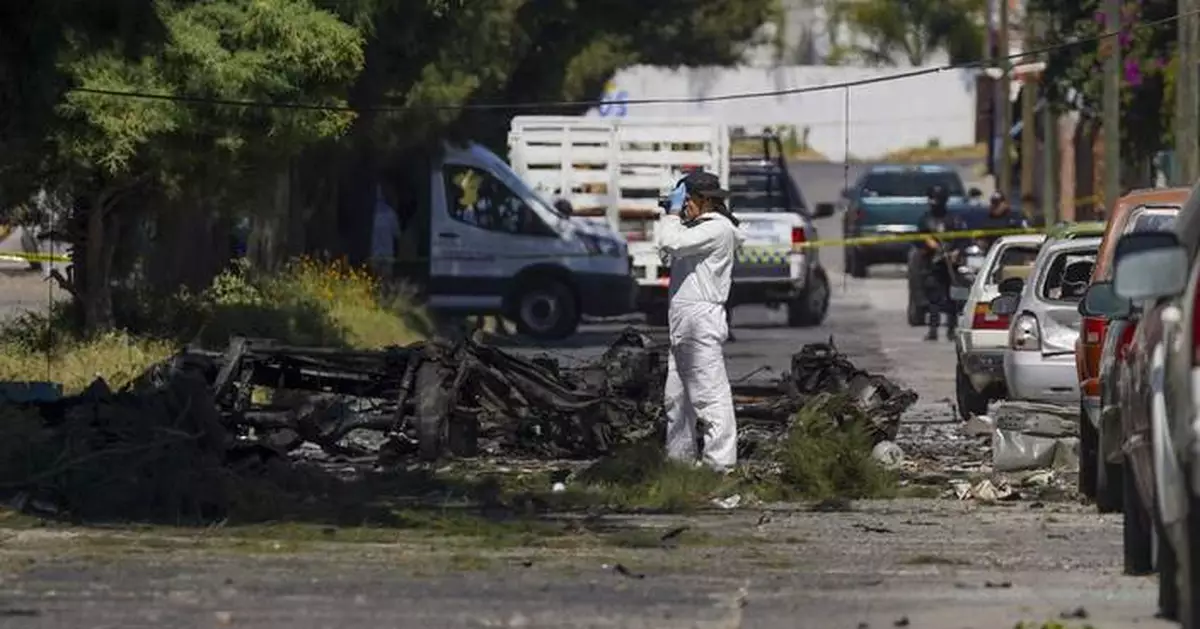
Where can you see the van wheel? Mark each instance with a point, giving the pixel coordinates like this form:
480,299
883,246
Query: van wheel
546,310
657,316
812,305
1139,541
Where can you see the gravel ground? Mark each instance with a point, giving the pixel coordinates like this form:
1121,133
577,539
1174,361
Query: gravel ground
924,563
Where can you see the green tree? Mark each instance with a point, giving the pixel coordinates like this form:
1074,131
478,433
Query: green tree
1074,75
915,29
105,151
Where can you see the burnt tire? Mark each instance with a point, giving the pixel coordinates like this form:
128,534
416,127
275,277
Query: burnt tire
968,400
432,406
1137,532
810,308
1089,448
546,310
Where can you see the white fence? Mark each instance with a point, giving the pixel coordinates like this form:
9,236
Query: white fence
887,116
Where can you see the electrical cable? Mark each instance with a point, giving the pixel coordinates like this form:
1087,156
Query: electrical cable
907,74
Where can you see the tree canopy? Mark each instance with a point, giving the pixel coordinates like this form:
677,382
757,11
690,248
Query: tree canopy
1074,74
339,77
913,30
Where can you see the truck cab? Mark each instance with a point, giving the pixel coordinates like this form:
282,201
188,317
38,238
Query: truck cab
775,265
498,247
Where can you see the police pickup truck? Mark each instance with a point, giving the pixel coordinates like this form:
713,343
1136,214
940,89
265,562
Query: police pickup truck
773,267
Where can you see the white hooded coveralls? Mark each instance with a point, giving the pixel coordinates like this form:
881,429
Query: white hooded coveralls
697,390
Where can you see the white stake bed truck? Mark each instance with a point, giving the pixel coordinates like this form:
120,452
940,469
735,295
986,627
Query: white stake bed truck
615,171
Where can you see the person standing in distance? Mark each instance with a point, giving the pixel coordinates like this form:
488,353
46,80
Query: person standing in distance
701,245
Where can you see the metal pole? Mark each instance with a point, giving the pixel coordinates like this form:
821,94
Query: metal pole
1029,90
1112,106
1050,165
1187,100
1005,179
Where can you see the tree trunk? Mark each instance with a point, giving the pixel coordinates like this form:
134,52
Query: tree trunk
96,290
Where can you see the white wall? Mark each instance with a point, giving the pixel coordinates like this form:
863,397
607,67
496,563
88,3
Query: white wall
887,116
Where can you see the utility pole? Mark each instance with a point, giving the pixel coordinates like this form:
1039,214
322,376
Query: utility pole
1005,178
1050,131
1029,93
1187,98
1112,106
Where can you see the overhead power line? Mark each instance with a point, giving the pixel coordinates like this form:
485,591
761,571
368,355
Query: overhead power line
898,76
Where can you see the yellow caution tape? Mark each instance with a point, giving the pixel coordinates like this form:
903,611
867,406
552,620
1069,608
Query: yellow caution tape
749,254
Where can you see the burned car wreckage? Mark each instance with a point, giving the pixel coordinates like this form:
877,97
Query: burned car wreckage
203,413
465,399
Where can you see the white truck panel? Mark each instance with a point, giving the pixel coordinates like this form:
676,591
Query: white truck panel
617,166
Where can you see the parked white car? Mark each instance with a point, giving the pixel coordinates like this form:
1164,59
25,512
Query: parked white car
982,335
1039,363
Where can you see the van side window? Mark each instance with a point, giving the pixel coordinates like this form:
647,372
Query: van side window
477,198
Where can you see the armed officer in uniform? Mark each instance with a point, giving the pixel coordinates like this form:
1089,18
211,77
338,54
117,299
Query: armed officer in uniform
939,258
1000,217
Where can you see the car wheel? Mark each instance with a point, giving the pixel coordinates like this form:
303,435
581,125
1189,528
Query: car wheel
1089,445
1110,482
810,308
854,264
546,310
970,402
1138,537
1167,566
917,316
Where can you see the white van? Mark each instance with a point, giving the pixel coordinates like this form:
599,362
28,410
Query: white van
497,247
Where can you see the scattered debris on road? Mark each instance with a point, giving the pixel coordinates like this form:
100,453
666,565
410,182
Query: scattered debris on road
173,441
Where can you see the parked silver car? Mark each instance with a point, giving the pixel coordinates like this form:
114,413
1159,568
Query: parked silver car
982,335
1039,363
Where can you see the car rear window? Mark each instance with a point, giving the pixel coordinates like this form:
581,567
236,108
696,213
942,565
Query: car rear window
1068,276
1148,220
910,184
1013,261
759,191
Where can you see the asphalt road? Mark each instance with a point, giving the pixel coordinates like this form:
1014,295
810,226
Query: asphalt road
928,564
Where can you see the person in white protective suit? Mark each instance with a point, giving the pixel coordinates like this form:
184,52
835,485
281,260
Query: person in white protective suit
701,245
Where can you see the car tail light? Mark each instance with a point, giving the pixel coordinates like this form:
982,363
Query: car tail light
798,237
1125,341
985,319
1093,330
1025,334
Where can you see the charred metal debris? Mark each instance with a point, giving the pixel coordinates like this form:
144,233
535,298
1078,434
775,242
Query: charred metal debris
435,399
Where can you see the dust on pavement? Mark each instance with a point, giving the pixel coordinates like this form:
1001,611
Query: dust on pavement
924,563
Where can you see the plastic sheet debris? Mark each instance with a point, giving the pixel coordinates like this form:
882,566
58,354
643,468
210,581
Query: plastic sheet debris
1033,436
984,491
888,454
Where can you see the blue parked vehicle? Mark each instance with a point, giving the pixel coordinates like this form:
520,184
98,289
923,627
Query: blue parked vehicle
889,200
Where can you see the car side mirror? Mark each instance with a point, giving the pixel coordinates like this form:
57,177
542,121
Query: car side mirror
1101,300
1012,286
1005,305
1149,265
823,210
